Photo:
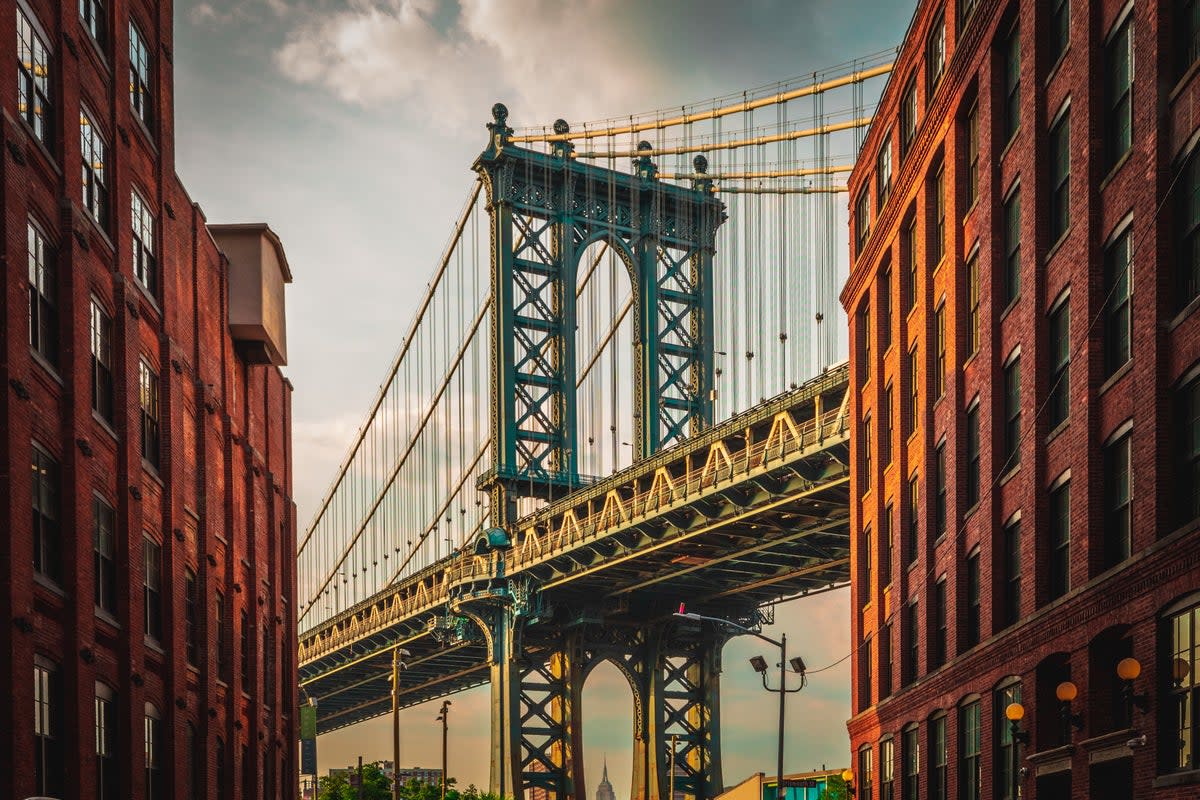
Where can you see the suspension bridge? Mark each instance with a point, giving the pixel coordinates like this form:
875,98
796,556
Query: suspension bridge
622,389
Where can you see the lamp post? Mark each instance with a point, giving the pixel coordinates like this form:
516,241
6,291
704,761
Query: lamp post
848,779
1015,713
444,718
1067,692
760,666
397,665
1128,670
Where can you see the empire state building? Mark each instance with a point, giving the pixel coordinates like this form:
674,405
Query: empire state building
605,791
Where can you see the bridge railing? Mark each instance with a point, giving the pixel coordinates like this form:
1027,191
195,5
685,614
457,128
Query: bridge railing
580,521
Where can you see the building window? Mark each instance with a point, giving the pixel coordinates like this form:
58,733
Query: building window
972,125
104,542
885,307
966,8
907,237
139,76
935,58
862,218
106,743
1011,116
1182,689
222,772
91,13
102,358
887,766
886,535
864,773
939,336
1189,229
1012,415
1188,448
1118,57
1011,282
970,738
939,755
914,389
33,79
864,671
1058,403
885,428
95,182
152,587
866,454
1060,29
937,243
245,620
939,491
143,244
974,607
1118,493
940,625
1190,30
47,748
973,455
148,394
864,339
1005,747
866,562
189,616
908,117
912,661
43,319
914,517
1011,570
885,660
973,304
45,514
1060,177
1118,264
195,756
1059,582
154,757
268,665
911,747
221,638
883,170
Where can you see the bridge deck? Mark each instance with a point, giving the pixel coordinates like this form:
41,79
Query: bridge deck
750,512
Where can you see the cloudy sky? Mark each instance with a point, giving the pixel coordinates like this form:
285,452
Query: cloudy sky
350,126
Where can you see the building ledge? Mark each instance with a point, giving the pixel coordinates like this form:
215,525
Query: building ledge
1109,746
1048,762
1177,779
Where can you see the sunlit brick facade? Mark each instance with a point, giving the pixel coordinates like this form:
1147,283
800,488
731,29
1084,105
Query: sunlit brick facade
1025,346
147,527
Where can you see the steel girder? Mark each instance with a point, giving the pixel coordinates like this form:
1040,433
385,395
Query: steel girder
546,209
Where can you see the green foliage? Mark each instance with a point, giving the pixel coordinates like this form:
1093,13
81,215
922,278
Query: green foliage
835,790
376,786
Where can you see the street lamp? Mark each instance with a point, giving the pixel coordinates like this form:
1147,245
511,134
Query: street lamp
444,718
760,666
848,779
1128,670
1066,692
1015,713
397,665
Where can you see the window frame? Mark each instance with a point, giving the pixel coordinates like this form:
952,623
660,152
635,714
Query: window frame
883,170
862,218
1180,695
973,632
142,248
1060,29
93,142
33,41
885,428
1059,147
1058,564
971,123
910,752
92,15
152,589
1189,226
1058,334
47,512
939,338
107,742
191,590
1003,743
153,741
939,757
1011,570
938,218
935,57
1118,307
974,302
887,768
1118,533
1011,400
974,487
970,759
909,116
1011,84
149,402
43,290
940,651
914,520
1118,92
1010,283
940,490
141,76
104,527
48,742
101,346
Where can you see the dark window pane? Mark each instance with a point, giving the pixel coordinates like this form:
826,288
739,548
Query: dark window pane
1058,403
46,494
1119,497
1060,177
1118,314
1059,582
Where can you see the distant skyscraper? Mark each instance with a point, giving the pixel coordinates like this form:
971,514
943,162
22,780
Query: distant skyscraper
605,791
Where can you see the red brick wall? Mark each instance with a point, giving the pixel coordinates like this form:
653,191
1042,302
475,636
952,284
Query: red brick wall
1166,344
221,502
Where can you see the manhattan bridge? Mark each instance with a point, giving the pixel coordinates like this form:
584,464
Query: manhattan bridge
623,389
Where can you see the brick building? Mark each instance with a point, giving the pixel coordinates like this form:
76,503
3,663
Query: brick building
147,552
1025,346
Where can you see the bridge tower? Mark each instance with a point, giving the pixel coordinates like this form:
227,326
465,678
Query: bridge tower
546,209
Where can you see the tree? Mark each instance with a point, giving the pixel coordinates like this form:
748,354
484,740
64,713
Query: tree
835,789
376,786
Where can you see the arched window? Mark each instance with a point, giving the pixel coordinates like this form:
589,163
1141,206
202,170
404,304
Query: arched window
910,746
155,757
47,718
1005,750
106,743
887,768
1180,689
863,779
970,748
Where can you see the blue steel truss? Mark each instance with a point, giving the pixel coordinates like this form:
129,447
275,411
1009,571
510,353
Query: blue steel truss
546,209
